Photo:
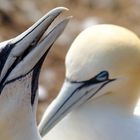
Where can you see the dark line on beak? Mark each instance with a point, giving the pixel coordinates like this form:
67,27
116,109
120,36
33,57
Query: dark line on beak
65,101
74,102
78,98
35,77
111,80
18,60
4,55
32,30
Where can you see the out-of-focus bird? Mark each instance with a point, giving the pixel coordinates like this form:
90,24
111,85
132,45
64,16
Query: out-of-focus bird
101,88
21,59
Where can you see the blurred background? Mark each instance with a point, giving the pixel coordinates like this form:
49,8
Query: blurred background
17,15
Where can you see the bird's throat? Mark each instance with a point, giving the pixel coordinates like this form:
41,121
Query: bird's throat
18,116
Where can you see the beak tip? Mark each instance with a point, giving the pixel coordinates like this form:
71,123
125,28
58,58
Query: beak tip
58,10
69,18
66,20
62,8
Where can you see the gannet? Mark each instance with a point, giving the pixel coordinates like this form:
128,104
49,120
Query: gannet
100,90
21,59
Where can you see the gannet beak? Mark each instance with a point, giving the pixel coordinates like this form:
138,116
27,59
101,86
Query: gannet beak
27,51
72,94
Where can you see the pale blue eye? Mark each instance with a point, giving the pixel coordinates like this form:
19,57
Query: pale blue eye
102,76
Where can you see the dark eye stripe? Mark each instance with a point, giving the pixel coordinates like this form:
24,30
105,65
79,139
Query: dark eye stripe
101,77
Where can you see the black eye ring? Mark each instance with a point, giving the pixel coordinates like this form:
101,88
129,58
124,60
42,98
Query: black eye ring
102,76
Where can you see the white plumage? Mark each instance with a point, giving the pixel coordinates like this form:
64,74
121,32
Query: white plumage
101,88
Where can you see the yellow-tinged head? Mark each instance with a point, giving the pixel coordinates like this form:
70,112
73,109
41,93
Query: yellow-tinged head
103,47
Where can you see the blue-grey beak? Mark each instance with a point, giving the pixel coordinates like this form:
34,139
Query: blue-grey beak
22,54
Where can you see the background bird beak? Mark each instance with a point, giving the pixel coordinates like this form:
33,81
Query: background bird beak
70,96
28,48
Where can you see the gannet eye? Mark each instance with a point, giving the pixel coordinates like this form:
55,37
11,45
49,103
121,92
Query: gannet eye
102,76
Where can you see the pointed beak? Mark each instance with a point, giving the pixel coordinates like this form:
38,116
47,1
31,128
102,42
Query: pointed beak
27,49
72,94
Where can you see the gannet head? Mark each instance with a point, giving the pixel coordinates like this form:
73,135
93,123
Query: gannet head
102,59
21,59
